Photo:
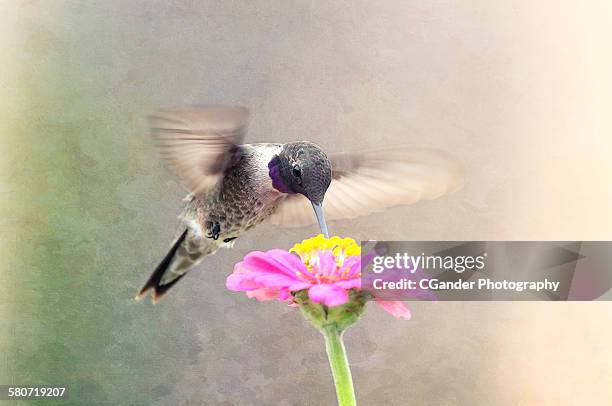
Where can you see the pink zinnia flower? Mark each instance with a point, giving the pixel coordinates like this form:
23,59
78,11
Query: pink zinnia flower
328,268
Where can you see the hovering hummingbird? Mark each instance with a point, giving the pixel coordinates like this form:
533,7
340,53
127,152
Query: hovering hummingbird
235,186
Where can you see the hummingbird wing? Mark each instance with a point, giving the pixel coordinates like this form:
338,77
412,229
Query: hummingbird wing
199,143
372,181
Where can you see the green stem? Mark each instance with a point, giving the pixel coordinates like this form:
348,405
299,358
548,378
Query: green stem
339,365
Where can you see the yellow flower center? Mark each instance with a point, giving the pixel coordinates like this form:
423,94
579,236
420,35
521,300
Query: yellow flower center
308,251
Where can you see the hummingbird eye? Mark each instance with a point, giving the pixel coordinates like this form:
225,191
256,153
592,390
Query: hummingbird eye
297,173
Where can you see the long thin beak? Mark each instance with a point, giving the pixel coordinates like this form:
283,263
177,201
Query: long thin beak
318,209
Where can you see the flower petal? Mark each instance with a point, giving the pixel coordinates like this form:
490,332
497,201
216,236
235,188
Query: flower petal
352,265
397,309
273,262
327,263
284,294
287,259
278,281
330,295
264,294
349,284
241,281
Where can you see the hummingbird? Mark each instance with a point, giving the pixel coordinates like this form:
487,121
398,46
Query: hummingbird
234,186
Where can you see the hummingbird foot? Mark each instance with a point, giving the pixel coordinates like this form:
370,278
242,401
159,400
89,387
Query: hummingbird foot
214,230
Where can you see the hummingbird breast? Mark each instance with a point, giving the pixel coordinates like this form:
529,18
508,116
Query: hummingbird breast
244,198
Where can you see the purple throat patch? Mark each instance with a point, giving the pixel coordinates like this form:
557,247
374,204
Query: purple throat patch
274,172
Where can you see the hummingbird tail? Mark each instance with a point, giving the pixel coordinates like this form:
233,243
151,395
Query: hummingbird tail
165,275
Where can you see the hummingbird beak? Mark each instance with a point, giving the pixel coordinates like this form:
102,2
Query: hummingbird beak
318,209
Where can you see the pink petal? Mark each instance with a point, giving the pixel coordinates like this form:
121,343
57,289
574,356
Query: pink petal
284,294
264,294
240,281
287,259
278,281
353,264
274,261
271,279
397,309
349,284
273,274
327,263
330,295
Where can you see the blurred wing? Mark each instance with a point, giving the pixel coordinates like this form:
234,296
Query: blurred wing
198,143
371,181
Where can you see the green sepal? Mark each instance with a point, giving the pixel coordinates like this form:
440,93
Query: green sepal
341,317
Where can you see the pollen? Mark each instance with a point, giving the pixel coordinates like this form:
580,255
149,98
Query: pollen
341,247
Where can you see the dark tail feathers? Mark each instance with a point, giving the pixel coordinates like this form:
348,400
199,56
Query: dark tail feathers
153,283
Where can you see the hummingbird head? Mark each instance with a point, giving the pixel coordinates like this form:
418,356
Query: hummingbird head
303,167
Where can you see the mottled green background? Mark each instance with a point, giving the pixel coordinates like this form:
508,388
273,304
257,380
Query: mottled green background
518,91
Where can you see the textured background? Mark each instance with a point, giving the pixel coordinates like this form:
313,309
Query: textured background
519,90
